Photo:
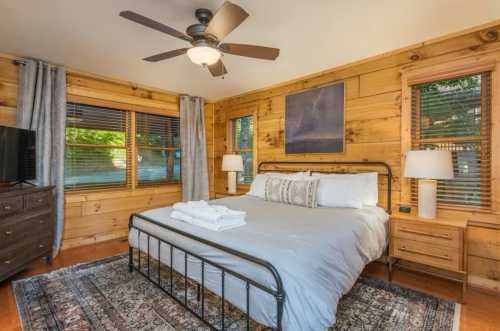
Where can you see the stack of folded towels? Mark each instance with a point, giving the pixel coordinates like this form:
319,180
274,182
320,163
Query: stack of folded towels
212,217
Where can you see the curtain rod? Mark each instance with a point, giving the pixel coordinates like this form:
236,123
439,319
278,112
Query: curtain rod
24,62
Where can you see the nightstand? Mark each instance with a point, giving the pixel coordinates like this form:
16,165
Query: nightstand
437,244
220,195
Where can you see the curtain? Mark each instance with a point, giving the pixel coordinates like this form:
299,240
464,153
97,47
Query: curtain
194,154
41,106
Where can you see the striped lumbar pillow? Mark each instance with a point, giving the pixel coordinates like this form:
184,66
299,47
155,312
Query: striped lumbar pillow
293,191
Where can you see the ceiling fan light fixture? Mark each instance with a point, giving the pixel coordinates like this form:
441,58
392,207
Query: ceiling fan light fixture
204,55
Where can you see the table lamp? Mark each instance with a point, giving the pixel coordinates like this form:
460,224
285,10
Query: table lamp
428,166
232,163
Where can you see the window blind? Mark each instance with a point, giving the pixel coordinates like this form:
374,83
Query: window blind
96,147
158,149
454,115
243,130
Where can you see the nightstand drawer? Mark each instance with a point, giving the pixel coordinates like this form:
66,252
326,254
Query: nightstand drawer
484,268
427,233
433,255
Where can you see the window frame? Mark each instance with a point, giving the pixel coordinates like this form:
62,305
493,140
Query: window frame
420,73
251,110
130,145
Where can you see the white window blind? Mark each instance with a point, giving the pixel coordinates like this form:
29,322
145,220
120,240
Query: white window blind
454,114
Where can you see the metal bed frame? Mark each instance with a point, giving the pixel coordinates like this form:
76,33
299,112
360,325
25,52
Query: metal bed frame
277,292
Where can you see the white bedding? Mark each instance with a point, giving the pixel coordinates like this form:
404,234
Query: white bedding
318,252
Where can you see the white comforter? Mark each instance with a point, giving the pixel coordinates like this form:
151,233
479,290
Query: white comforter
319,254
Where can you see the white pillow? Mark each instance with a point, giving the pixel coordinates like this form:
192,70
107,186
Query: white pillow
258,186
340,191
370,185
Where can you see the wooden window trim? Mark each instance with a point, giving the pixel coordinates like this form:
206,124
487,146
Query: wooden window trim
121,105
417,74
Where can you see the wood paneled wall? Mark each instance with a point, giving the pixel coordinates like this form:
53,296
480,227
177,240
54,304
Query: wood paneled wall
93,216
209,136
373,122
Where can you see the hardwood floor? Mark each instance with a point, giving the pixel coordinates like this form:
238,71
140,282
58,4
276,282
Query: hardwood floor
481,311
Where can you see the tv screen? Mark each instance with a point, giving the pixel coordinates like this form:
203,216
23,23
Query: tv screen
17,154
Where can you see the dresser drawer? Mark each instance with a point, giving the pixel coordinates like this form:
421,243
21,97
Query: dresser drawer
438,256
14,230
37,200
484,242
427,233
21,253
11,205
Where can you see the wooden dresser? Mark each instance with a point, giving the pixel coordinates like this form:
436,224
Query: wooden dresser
438,244
26,227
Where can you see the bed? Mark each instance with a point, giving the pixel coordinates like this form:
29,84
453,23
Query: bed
286,269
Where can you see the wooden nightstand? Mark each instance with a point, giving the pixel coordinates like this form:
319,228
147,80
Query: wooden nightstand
438,244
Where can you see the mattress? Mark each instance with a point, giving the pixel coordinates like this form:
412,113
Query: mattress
318,252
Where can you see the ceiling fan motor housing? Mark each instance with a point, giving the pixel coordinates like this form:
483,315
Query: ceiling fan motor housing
197,31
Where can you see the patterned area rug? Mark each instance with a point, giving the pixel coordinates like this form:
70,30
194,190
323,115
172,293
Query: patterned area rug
103,295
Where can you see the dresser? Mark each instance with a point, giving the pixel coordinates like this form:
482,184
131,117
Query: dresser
26,227
436,245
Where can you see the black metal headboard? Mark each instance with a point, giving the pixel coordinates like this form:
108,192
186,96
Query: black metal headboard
302,165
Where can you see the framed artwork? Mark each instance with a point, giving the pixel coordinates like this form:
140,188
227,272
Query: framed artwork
314,120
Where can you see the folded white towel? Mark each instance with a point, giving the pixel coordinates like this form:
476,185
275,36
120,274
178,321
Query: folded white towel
214,214
221,226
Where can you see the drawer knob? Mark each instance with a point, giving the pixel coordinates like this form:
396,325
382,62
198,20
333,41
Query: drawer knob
41,222
7,207
8,233
41,246
39,200
7,262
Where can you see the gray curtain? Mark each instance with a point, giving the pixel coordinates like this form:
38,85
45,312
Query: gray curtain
194,149
41,106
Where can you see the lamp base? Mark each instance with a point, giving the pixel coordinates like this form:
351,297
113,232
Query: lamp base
427,190
231,181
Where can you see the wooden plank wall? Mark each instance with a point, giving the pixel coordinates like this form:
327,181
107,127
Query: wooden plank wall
373,121
209,136
101,215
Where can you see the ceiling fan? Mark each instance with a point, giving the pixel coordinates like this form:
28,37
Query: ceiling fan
205,38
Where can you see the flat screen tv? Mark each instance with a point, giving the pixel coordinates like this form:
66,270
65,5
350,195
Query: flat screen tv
17,155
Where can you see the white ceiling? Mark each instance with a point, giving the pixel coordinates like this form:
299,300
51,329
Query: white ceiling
313,35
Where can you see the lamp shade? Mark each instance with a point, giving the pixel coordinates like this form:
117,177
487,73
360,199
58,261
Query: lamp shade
232,162
429,164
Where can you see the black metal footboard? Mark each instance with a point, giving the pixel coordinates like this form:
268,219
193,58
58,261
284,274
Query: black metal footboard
278,293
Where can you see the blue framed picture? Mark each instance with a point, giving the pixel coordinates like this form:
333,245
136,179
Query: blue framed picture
314,120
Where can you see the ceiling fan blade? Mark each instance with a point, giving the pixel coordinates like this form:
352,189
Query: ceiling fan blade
226,19
258,52
217,69
143,20
166,55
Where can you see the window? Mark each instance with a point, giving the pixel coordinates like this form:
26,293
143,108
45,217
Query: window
242,130
158,149
96,147
454,114
100,154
